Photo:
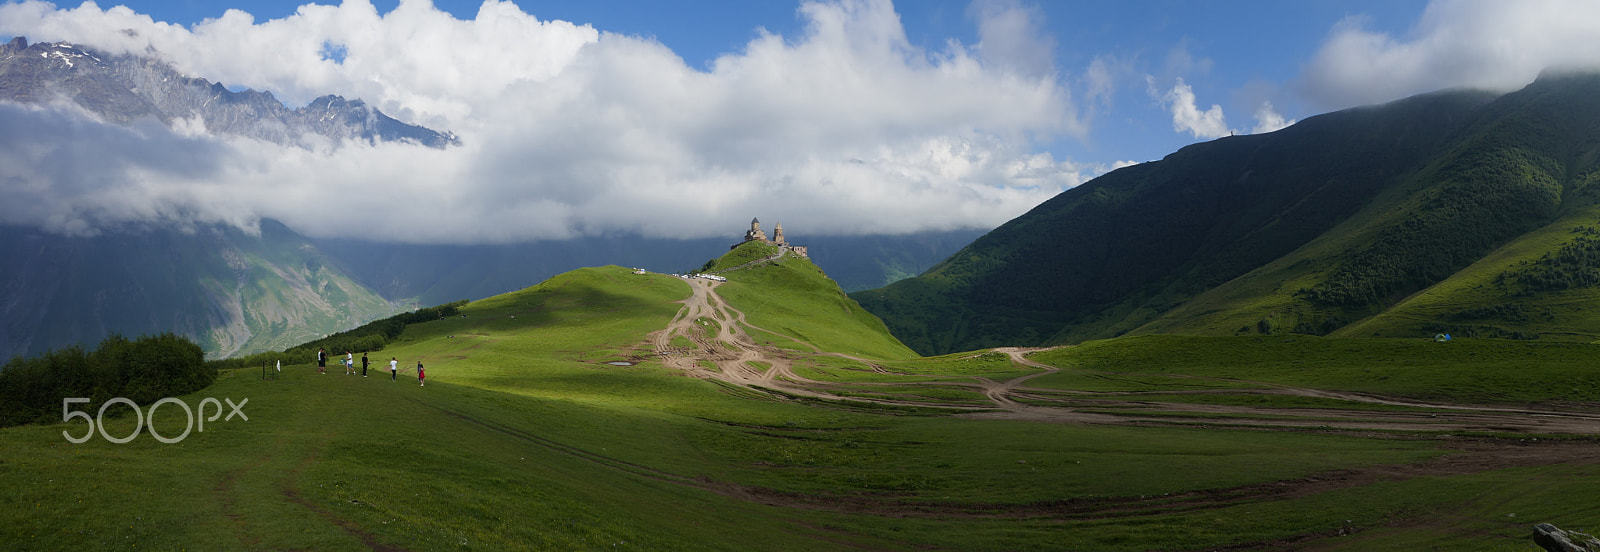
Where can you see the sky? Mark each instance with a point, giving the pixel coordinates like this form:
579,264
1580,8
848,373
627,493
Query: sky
685,119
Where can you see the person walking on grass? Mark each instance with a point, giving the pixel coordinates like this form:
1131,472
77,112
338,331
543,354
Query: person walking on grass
421,375
394,368
322,361
363,364
349,363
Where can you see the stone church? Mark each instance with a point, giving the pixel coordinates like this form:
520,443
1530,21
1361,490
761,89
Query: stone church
755,234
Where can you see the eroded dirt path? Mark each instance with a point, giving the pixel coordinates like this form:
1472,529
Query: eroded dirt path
720,348
710,339
723,351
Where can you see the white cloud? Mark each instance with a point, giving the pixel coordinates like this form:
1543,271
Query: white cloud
845,128
1187,117
1268,119
71,173
1490,44
1009,35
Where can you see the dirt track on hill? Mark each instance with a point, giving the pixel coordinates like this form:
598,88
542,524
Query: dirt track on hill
723,351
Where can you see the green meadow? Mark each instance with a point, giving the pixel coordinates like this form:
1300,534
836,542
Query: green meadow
527,437
1468,371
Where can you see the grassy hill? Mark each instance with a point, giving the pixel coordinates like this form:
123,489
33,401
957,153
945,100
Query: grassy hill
433,274
793,297
1308,230
528,437
238,294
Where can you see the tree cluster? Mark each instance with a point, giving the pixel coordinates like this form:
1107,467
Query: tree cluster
1575,265
1489,198
144,370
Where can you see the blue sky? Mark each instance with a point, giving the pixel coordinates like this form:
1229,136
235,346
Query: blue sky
1248,44
682,119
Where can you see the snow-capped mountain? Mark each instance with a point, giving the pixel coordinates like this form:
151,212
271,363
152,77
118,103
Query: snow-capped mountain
125,88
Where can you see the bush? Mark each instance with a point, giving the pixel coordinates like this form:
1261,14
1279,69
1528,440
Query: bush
1575,265
144,370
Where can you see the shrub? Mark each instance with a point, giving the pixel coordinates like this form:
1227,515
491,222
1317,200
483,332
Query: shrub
144,370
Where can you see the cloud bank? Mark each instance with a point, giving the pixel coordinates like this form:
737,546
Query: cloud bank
61,169
1489,44
845,128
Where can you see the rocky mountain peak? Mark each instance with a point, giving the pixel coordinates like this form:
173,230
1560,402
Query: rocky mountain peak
124,88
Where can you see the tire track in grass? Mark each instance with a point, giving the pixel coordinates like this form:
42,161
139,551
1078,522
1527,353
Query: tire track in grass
607,461
1476,456
228,504
292,493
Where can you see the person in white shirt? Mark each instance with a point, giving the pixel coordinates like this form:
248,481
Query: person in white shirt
394,368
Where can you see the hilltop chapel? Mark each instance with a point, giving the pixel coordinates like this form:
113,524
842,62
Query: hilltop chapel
755,234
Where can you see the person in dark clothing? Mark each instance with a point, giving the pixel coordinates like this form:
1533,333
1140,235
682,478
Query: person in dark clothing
363,365
322,361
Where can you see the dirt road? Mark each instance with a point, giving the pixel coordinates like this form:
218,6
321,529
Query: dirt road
722,350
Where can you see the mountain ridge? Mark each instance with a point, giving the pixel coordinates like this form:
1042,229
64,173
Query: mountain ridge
125,88
1394,197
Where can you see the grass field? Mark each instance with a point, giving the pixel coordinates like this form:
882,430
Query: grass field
525,438
1476,371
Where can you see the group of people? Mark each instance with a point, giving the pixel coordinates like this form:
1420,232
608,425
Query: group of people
350,366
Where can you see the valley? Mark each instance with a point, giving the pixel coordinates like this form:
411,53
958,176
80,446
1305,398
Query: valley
1057,276
604,409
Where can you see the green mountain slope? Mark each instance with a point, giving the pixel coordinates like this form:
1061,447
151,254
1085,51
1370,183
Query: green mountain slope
1307,229
1526,162
1541,285
231,292
790,295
